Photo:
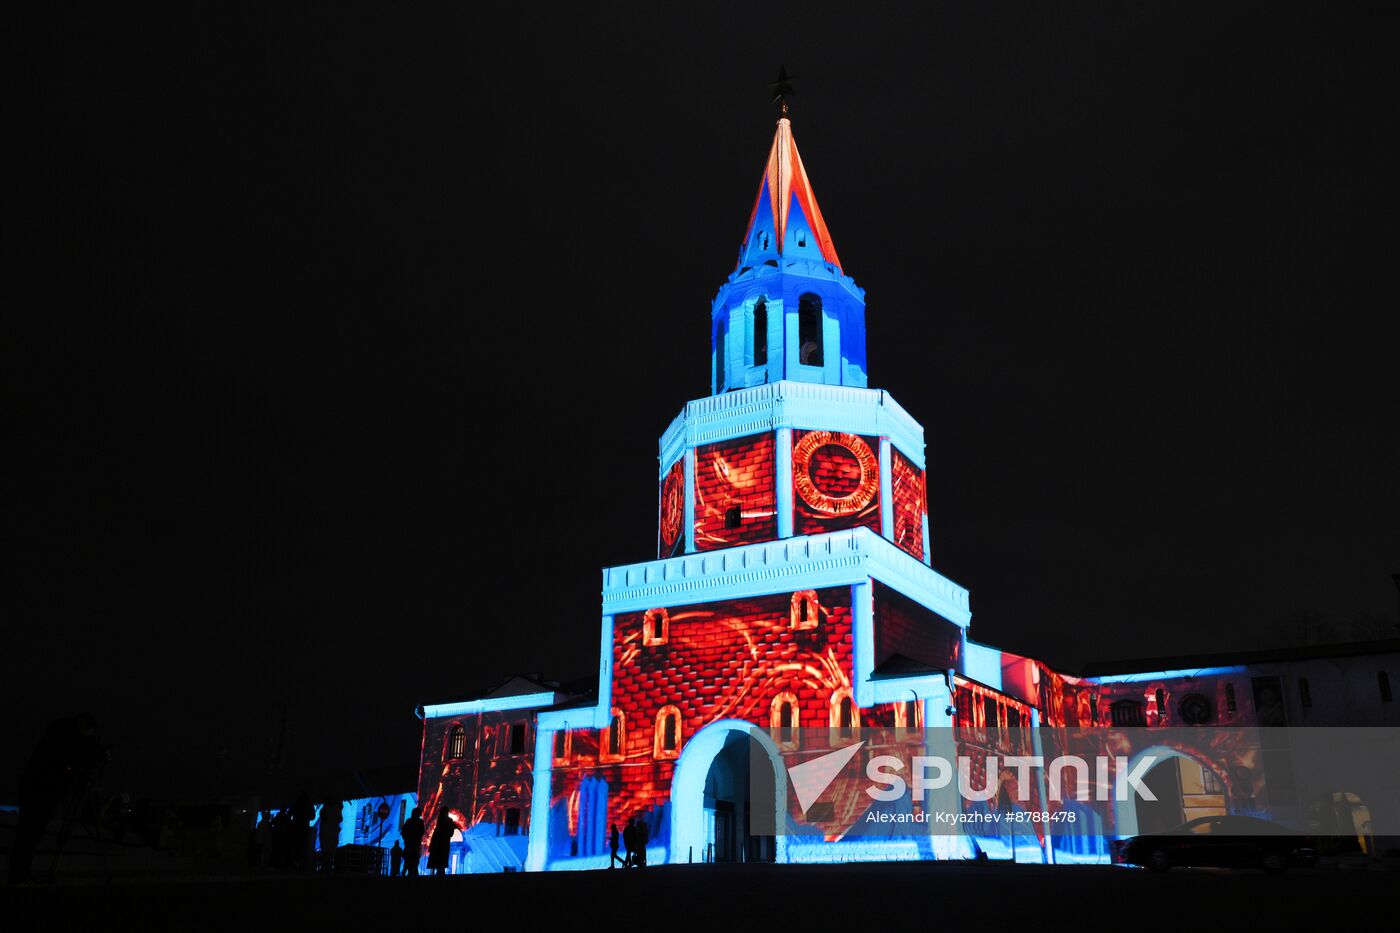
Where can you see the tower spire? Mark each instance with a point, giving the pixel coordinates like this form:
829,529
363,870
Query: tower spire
785,220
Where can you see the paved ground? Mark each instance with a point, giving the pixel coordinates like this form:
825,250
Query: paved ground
729,898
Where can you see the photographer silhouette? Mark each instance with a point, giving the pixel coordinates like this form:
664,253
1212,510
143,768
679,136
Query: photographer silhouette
61,766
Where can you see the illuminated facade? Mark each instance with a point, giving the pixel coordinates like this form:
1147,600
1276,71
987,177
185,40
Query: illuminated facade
792,588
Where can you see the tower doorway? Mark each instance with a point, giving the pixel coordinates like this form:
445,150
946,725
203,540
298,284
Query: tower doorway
726,797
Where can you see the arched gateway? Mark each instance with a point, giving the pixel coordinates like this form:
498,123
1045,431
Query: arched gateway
712,793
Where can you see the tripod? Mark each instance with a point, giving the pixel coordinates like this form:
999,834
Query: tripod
84,795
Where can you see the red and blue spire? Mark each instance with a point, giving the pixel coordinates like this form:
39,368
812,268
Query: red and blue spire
786,220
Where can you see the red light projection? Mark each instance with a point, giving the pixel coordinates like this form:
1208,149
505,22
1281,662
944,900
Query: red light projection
908,492
481,776
837,480
672,509
728,660
735,495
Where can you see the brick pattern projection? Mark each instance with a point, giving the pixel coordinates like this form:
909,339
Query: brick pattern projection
835,472
911,637
503,780
908,492
727,660
735,495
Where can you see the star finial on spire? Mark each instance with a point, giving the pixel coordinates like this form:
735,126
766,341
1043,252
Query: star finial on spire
782,90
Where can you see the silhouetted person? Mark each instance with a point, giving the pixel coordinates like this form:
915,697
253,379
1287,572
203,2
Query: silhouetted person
395,860
613,841
264,836
282,839
412,832
330,833
61,766
440,846
643,837
299,828
629,839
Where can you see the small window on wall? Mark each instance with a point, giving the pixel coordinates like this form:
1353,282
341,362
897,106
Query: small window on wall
512,821
963,704
1383,680
719,357
656,628
457,742
516,738
809,331
991,721
614,737
1160,700
785,719
1230,704
561,745
806,610
1304,693
667,743
908,714
1127,713
734,516
760,333
845,718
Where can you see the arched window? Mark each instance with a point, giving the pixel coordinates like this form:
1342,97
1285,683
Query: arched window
805,609
785,719
457,741
614,744
845,717
656,628
760,333
908,714
667,743
809,331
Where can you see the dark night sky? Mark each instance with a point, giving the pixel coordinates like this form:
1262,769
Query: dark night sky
312,314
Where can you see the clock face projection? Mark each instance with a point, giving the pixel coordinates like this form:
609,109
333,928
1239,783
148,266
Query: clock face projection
835,473
672,507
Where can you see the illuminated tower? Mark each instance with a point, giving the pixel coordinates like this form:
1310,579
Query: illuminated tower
792,585
791,590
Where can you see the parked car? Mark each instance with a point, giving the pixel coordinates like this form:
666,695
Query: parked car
1220,842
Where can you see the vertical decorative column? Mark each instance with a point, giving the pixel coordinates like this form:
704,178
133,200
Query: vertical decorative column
783,478
928,554
863,641
886,491
690,500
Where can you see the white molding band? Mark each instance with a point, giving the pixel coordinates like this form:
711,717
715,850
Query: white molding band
788,404
840,558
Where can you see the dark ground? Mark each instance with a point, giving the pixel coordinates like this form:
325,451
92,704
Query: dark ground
899,896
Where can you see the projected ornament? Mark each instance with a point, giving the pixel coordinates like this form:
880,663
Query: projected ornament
672,508
820,474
